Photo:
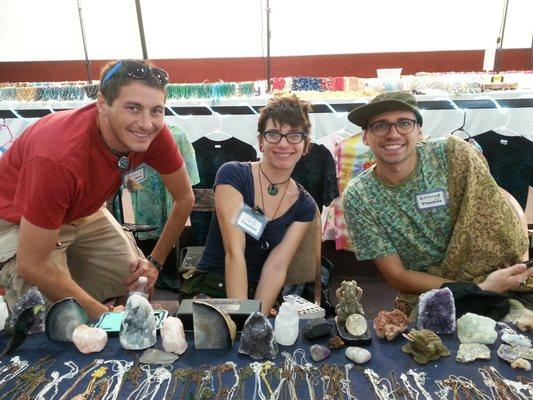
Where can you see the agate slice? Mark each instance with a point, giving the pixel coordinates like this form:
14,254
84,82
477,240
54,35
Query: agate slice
63,317
213,327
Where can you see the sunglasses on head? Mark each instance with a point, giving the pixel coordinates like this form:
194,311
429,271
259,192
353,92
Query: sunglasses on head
135,70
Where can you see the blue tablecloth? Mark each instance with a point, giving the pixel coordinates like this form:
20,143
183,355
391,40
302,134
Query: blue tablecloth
387,357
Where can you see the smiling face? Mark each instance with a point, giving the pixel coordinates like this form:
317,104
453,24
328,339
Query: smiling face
134,118
282,155
393,149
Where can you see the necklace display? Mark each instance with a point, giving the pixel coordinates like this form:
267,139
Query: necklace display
272,188
265,245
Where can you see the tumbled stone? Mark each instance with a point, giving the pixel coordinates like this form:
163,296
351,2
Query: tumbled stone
156,356
436,311
336,343
173,336
469,352
521,363
356,324
510,353
137,330
316,328
424,345
319,352
89,340
516,339
473,328
389,324
358,355
257,338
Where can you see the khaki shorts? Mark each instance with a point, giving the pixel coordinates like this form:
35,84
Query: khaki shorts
95,251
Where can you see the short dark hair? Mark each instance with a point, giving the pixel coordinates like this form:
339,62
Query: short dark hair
111,89
288,110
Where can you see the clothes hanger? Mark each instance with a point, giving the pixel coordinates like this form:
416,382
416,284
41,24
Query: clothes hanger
5,127
504,128
217,134
462,127
342,133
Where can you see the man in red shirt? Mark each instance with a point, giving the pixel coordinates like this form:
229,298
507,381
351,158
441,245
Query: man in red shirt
54,231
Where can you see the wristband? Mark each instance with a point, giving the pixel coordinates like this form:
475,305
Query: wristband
155,263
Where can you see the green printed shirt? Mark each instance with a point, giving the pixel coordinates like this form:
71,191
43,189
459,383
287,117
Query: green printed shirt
410,219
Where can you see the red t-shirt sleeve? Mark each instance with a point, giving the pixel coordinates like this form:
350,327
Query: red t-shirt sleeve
163,154
44,192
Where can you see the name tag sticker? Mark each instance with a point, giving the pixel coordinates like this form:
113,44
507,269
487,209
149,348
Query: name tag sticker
139,175
433,199
251,222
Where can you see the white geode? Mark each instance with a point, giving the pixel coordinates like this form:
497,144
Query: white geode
173,336
89,340
137,331
473,328
358,355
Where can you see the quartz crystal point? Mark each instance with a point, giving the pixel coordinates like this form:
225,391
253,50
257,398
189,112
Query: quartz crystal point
257,338
137,331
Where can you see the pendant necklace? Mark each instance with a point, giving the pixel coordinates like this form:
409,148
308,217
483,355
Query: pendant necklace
272,189
264,243
123,161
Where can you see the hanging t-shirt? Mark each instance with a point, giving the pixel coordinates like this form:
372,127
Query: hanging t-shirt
510,160
210,155
152,202
316,173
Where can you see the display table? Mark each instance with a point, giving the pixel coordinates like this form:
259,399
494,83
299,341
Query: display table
388,361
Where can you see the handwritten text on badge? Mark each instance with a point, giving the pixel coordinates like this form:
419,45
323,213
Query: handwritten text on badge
433,199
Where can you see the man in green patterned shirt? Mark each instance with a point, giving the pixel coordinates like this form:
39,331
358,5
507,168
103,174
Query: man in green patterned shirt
398,211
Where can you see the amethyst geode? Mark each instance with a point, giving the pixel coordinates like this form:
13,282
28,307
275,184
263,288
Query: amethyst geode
436,311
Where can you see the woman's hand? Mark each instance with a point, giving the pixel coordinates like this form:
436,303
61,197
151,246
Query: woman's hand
507,278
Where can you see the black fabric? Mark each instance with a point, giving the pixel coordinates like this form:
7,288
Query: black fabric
210,155
470,298
510,159
316,173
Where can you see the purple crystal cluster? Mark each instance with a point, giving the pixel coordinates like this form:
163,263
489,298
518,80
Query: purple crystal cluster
436,311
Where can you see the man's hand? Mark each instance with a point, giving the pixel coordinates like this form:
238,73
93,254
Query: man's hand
142,267
507,278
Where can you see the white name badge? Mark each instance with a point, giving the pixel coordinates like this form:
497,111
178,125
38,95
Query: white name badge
433,199
139,175
251,222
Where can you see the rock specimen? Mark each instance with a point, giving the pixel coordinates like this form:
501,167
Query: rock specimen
348,296
510,353
436,311
173,336
336,343
389,324
89,340
358,355
515,339
469,352
316,328
213,327
319,352
521,363
257,338
156,356
63,317
356,324
137,330
424,345
473,328
286,326
525,322
27,317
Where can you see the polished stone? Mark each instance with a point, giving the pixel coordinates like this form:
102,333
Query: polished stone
358,355
213,327
319,352
316,328
356,324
